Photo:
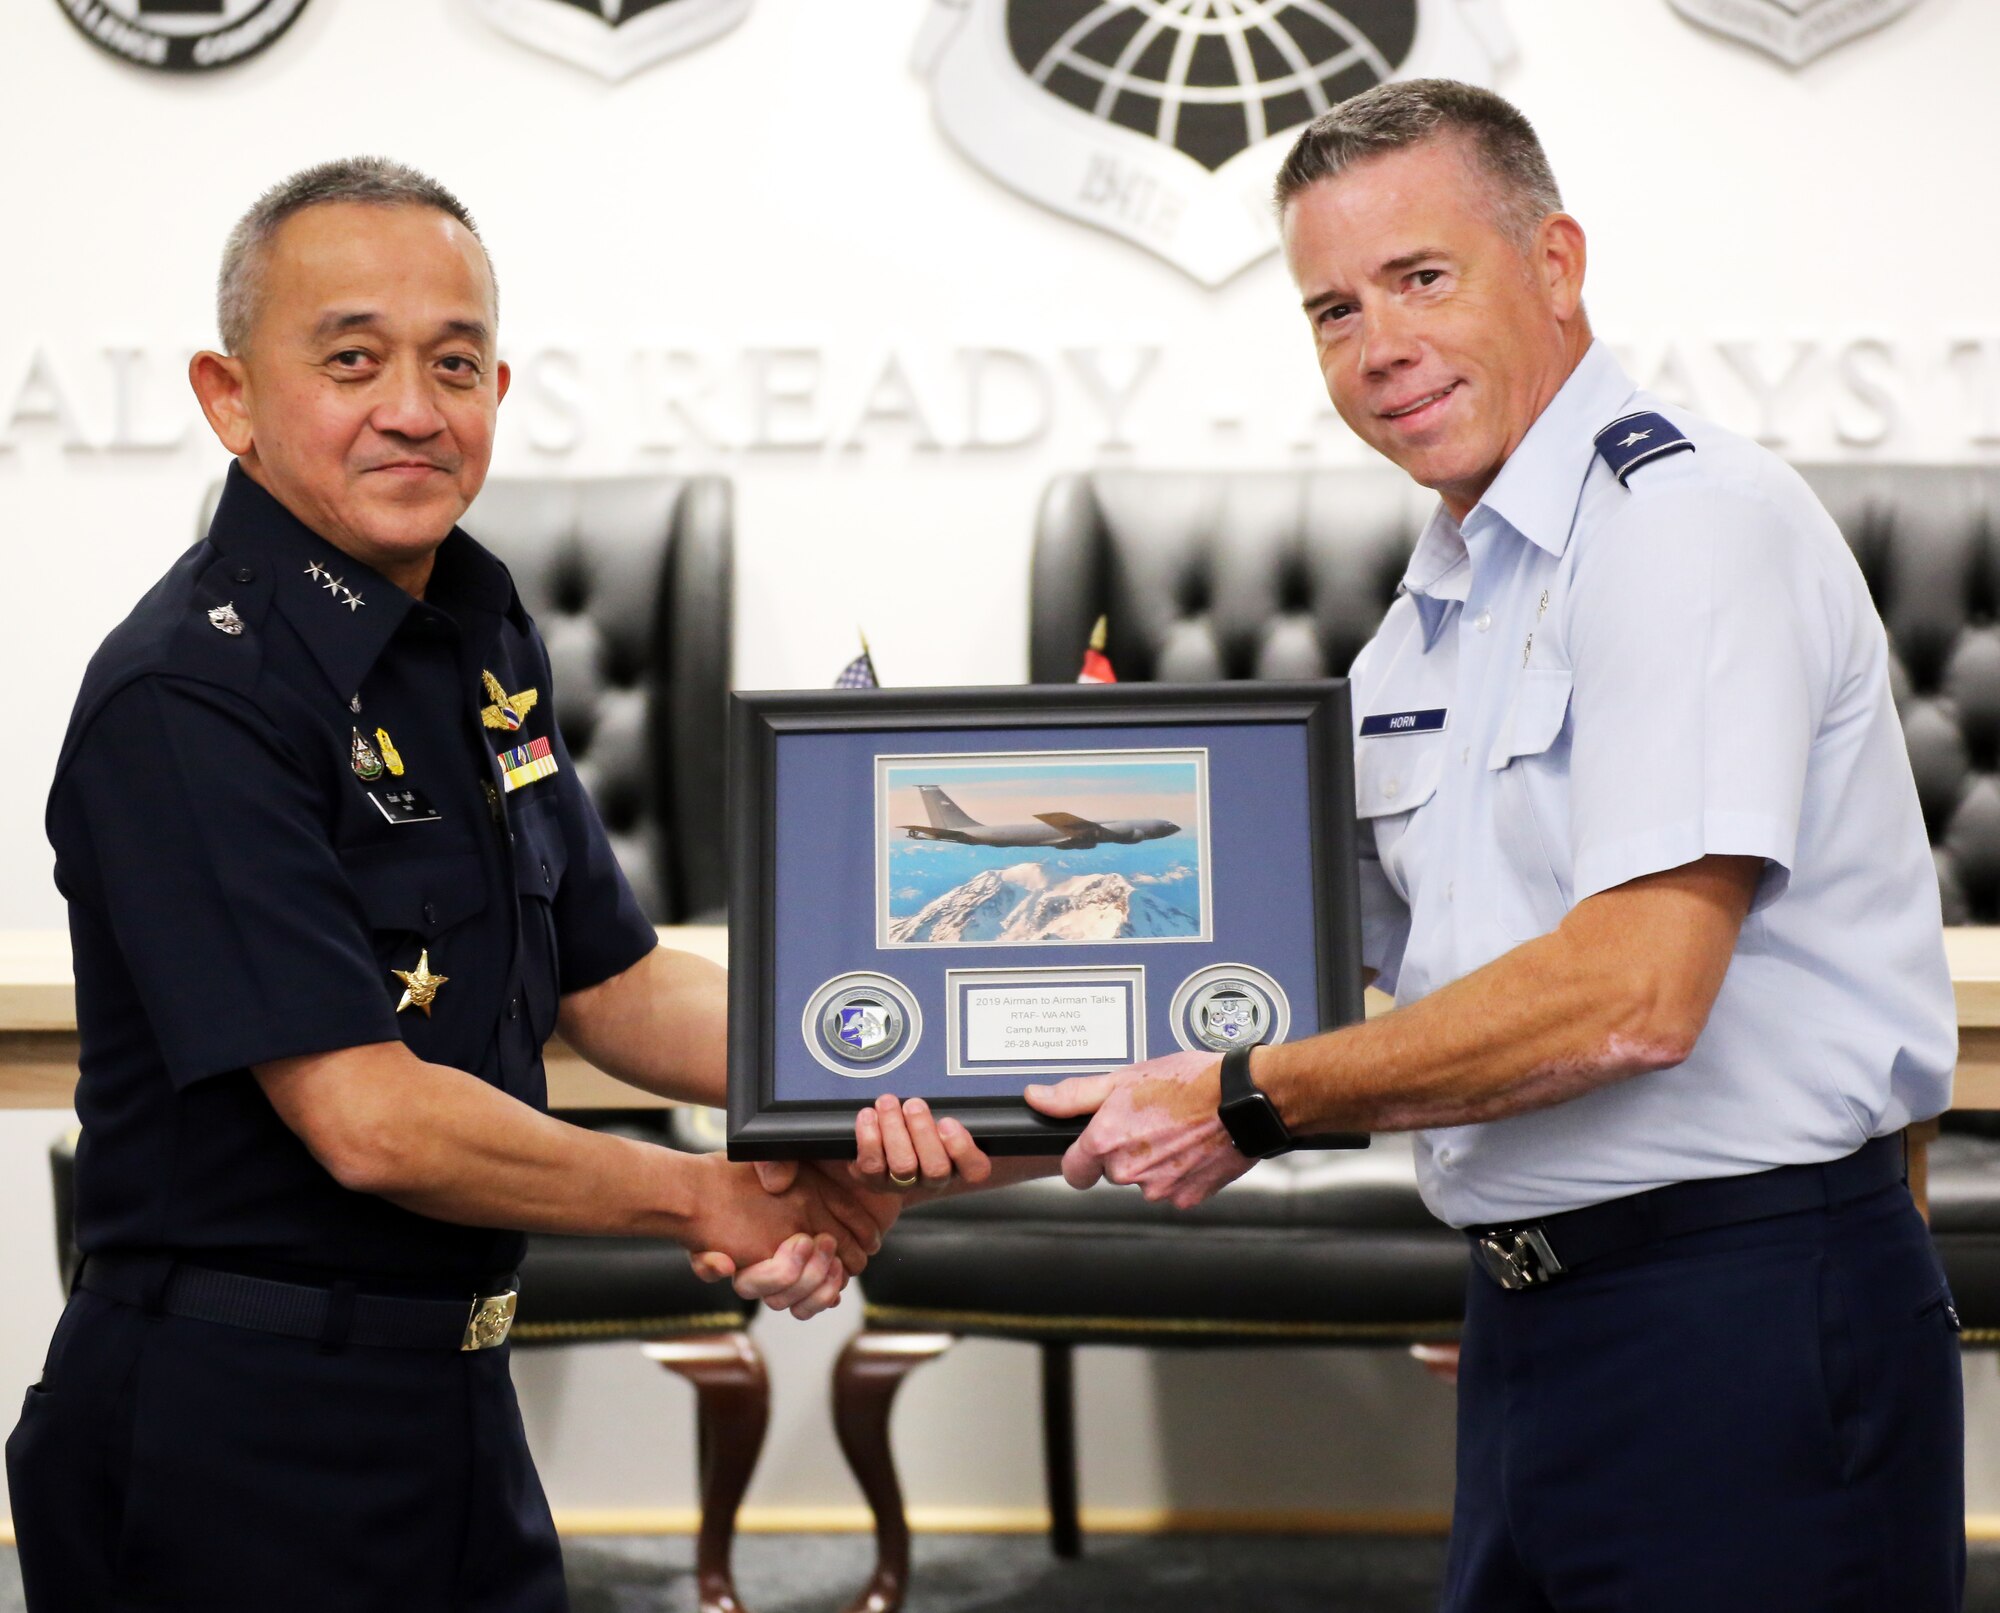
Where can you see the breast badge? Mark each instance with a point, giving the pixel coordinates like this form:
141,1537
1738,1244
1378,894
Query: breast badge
391,758
507,711
364,759
420,986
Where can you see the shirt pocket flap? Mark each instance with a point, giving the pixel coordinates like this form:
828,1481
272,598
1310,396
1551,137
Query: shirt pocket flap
1535,718
425,893
1396,772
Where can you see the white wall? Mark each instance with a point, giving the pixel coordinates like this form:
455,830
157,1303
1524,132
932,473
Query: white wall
1808,255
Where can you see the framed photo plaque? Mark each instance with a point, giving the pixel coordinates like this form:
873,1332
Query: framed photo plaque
952,893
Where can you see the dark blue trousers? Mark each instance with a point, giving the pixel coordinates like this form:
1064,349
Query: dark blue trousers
186,1467
1763,1418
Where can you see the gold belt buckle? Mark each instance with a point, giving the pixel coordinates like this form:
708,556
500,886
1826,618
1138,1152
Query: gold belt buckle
490,1321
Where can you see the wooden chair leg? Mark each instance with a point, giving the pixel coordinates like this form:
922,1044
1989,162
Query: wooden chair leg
732,1409
1059,1448
870,1371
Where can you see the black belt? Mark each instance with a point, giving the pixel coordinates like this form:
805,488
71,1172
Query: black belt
335,1315
1529,1253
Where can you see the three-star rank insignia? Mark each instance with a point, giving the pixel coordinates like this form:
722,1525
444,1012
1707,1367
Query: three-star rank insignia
365,760
420,986
507,711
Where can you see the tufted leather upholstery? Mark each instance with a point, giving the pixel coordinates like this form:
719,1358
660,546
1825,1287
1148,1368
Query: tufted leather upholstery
1928,540
1261,574
629,579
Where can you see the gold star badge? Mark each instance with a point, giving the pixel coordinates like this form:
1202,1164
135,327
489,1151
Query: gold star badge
508,711
420,986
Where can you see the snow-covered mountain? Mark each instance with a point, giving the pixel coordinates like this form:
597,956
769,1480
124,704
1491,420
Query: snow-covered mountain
1022,903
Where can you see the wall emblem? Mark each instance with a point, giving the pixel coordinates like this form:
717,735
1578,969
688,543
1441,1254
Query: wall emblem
1794,31
613,38
182,36
1164,120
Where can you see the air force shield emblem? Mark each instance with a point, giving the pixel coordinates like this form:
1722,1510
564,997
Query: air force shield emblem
1794,31
613,38
1164,120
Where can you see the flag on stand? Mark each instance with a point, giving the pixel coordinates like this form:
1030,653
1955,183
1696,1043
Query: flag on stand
860,672
1096,664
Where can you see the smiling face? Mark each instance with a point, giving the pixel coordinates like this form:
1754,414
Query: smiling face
1440,337
365,398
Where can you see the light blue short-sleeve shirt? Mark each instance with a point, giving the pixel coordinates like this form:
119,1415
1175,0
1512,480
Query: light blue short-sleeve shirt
1588,681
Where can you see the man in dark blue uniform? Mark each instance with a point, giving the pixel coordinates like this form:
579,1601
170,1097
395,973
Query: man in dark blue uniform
332,883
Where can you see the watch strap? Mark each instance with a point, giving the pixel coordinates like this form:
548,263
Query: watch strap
1253,1121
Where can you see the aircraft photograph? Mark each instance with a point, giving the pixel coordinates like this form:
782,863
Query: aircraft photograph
949,821
1057,848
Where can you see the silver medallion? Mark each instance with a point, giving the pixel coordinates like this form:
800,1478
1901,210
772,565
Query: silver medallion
1229,1005
862,1024
225,620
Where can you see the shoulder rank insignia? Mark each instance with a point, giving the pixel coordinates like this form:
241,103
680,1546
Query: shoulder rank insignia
1639,439
508,711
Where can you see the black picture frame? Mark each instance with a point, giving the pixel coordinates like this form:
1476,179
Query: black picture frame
763,1127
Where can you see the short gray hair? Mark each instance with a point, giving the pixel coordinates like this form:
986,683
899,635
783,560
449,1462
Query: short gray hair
1393,117
372,181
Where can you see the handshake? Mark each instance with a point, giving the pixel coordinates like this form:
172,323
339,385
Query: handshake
791,1235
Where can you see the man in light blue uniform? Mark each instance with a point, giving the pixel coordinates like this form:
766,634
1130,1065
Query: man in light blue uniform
1647,876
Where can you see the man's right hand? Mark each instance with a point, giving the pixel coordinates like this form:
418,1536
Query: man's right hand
792,1248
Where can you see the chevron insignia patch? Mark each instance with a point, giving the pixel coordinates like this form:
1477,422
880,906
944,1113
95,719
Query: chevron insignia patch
1639,439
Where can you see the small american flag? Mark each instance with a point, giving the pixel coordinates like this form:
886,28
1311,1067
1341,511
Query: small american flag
860,672
1096,664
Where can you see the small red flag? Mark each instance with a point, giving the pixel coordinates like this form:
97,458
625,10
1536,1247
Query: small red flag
1096,664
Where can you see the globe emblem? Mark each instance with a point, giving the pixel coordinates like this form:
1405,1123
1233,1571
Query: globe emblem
1209,78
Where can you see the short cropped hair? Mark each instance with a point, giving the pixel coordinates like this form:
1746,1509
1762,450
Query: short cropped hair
1394,117
372,181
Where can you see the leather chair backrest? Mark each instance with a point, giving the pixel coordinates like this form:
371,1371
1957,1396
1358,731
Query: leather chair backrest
630,581
1281,574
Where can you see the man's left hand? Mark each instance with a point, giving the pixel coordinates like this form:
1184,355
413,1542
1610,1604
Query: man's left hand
1154,1126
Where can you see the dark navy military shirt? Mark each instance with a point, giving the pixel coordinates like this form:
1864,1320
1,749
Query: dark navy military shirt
285,782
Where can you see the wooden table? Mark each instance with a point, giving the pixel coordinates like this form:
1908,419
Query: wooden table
38,1022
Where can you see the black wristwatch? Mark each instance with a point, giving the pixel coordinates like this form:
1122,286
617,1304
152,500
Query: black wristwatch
1253,1121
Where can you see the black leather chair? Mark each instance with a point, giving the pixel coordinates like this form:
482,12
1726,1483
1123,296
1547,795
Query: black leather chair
1286,574
630,582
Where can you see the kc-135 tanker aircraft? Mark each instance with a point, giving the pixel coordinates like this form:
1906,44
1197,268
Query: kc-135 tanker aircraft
1063,830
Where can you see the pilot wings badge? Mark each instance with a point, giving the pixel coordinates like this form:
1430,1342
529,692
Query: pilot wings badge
1164,121
613,38
1794,31
507,711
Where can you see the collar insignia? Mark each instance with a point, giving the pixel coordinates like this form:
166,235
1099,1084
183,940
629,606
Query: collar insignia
508,711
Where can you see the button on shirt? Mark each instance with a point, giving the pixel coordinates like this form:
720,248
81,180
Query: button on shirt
1584,683
240,892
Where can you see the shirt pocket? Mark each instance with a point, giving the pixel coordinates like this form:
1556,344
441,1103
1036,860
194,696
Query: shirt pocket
1529,764
421,906
1394,776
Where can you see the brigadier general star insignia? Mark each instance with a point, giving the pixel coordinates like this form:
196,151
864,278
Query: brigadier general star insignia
420,986
508,711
